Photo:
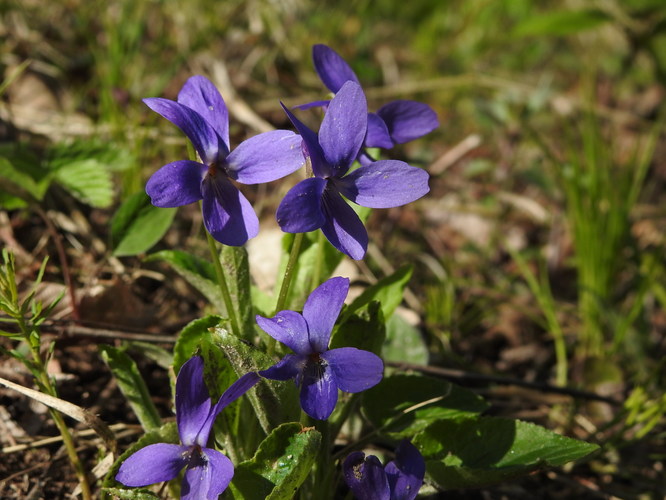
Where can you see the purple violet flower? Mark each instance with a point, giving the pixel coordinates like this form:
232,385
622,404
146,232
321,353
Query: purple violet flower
208,472
394,123
318,371
202,115
401,479
316,202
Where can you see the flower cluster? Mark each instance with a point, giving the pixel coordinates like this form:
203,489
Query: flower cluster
394,123
315,203
401,479
318,202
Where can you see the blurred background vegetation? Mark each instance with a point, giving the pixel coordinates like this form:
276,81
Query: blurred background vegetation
539,253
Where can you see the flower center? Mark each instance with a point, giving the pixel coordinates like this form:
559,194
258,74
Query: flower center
315,357
316,365
196,457
357,470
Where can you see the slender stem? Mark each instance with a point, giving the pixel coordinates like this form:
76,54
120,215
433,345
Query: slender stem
286,283
71,452
222,282
324,463
342,413
321,479
45,384
289,272
316,275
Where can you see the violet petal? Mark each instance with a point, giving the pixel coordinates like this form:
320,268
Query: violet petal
228,215
343,129
208,478
332,69
366,477
202,96
313,104
289,328
222,472
208,144
266,157
319,394
408,120
354,370
384,184
236,390
233,392
192,400
311,145
152,464
405,473
176,184
343,228
287,368
205,475
378,133
300,211
322,309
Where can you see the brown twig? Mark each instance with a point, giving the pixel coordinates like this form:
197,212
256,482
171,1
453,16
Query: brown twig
136,429
64,329
463,376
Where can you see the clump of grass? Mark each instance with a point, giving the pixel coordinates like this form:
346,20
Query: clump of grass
601,189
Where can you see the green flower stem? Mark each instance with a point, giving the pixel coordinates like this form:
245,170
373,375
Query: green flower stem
9,303
324,472
320,481
289,272
342,413
71,452
44,383
222,282
286,283
316,275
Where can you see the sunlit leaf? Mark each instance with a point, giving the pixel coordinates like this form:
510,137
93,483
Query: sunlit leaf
480,451
387,291
365,330
88,181
282,462
403,405
17,183
137,225
274,402
132,386
404,343
190,337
